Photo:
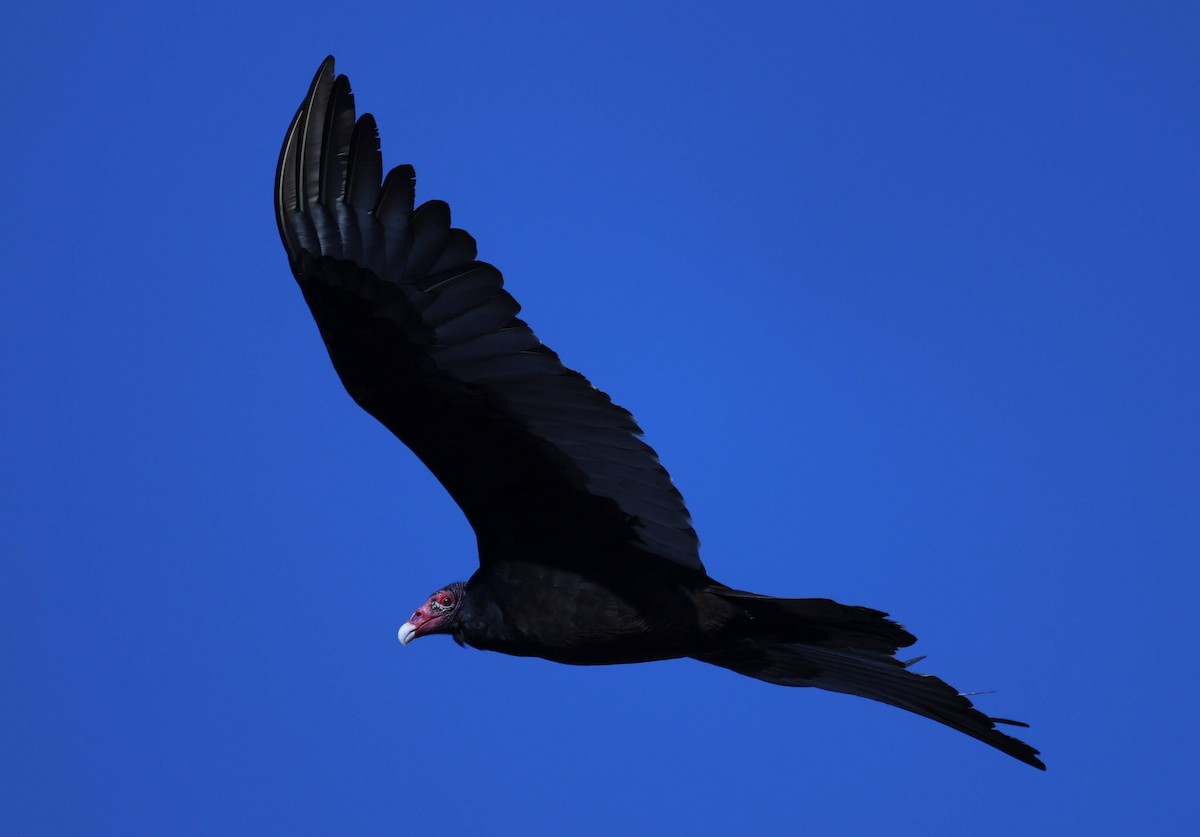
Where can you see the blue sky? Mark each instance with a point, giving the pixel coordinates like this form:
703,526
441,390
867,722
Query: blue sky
905,296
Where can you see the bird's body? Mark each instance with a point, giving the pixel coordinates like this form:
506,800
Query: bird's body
560,614
587,553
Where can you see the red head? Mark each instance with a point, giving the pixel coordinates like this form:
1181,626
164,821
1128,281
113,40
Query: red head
439,615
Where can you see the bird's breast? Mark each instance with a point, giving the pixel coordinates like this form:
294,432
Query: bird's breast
532,610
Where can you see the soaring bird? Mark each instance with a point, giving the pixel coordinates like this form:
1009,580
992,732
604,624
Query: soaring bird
587,553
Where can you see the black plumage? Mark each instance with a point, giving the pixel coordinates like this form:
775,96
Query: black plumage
587,553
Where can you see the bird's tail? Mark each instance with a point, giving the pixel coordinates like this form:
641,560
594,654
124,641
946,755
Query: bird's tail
818,642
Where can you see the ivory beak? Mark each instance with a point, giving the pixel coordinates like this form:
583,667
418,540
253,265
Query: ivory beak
406,632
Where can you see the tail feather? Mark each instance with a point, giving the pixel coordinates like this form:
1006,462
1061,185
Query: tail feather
820,621
852,653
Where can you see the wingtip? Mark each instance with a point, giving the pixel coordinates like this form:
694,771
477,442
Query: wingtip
1031,759
1013,746
324,75
288,177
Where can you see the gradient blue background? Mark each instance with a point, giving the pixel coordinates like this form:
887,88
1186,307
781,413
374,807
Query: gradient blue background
905,295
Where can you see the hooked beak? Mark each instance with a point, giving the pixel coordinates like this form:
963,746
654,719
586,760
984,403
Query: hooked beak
406,633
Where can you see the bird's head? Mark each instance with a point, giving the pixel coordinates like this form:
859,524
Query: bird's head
439,615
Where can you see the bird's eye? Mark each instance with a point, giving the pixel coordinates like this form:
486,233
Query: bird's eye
447,601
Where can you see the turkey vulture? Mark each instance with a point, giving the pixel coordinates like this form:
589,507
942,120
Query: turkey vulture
587,554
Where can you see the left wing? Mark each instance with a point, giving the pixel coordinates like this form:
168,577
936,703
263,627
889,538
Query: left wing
426,340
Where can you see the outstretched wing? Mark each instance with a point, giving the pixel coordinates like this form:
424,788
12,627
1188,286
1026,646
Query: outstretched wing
852,650
426,340
877,676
